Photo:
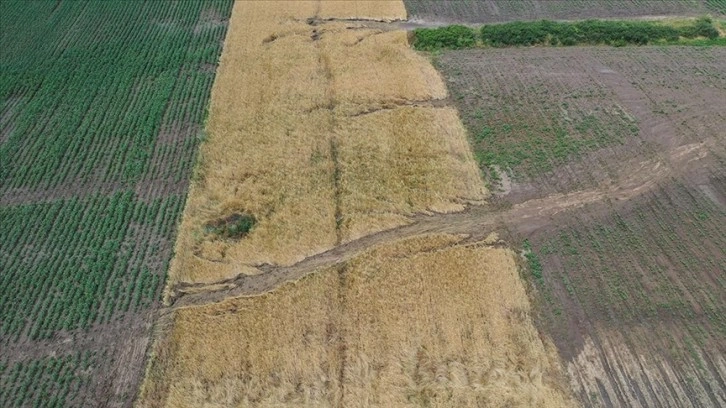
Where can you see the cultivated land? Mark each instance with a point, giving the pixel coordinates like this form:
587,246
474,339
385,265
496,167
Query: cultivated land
436,12
427,321
338,136
101,111
339,294
629,281
338,246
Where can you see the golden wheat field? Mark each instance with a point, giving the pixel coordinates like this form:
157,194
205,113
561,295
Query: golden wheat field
311,130
427,321
362,9
327,131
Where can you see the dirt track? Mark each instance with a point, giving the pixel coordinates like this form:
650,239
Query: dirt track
476,222
666,149
520,214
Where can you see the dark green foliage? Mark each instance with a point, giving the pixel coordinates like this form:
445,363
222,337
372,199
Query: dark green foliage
101,105
451,37
69,264
589,32
45,382
87,87
703,27
517,33
235,226
94,94
533,262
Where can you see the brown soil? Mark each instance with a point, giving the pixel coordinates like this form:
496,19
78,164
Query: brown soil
498,11
632,276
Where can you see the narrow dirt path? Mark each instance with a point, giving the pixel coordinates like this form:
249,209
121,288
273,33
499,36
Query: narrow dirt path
476,222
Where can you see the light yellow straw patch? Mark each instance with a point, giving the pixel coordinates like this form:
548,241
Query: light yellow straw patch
380,10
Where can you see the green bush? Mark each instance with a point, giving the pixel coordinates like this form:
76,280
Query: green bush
544,32
451,37
585,32
516,33
703,27
234,226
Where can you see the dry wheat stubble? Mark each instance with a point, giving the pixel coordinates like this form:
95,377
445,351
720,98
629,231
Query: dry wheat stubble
327,134
292,103
427,319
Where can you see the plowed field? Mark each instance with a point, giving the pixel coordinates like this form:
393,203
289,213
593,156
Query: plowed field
630,284
498,11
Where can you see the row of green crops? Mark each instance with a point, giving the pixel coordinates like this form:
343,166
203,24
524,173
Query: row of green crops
102,105
86,89
47,382
590,32
72,263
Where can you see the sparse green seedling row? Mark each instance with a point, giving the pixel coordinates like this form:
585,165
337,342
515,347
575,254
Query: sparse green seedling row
499,11
649,265
47,382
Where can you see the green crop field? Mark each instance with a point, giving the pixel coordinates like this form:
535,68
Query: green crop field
102,106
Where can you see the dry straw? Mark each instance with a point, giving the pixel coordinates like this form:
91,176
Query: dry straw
425,321
380,10
326,134
323,133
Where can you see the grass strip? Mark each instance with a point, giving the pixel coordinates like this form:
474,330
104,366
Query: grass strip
702,31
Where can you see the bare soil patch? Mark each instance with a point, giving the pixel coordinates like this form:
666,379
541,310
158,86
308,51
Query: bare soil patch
498,11
629,281
559,120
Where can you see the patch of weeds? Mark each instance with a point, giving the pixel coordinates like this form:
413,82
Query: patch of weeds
483,134
535,265
234,226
